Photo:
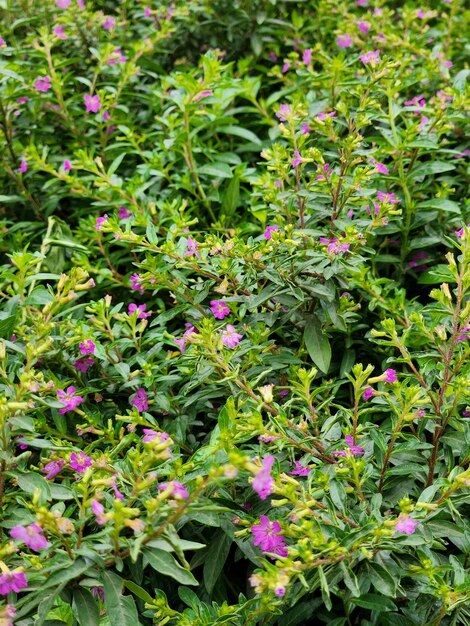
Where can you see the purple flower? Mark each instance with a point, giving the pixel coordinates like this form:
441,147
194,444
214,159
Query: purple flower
267,535
300,470
269,230
406,524
390,376
464,333
3,43
152,435
87,347
100,221
364,26
52,468
98,510
368,393
387,197
304,128
80,462
344,41
230,338
63,4
66,166
417,101
297,160
203,94
380,167
284,112
182,341
370,58
116,57
191,247
139,309
12,581
123,213
82,365
219,309
59,32
263,481
135,283
109,23
307,56
32,536
69,399
351,449
334,246
92,103
23,167
322,116
42,84
7,612
140,400
178,490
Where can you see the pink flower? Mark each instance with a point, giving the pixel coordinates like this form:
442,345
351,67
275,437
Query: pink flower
148,12
42,84
3,43
82,365
63,4
139,309
423,123
12,581
267,535
406,524
370,58
417,101
22,100
230,338
464,333
269,230
191,247
203,94
80,462
181,342
116,57
268,438
52,468
334,246
66,166
7,612
390,376
23,167
322,116
100,221
109,23
263,481
300,470
135,283
32,536
98,510
59,32
87,347
140,400
297,160
351,449
81,4
304,128
327,170
307,56
460,233
344,41
284,112
178,490
69,399
152,435
106,117
123,213
380,167
285,67
364,26
92,103
387,197
219,309
368,393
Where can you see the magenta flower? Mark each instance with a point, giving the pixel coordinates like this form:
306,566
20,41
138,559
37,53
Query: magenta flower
98,510
263,481
304,128
12,581
83,365
7,612
307,56
322,116
23,167
230,338
116,57
464,333
380,167
269,230
109,23
351,449
152,435
32,536
135,283
344,41
406,524
368,393
52,468
364,26
59,32
87,347
69,399
3,43
148,12
370,58
387,197
106,117
66,166
63,4
390,376
334,246
460,233
191,247
100,221
219,309
267,535
203,94
182,341
297,160
417,101
42,84
327,171
80,462
123,213
92,103
179,491
300,470
140,400
284,112
285,67
139,309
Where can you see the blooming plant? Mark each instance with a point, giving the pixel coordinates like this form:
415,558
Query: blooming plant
234,313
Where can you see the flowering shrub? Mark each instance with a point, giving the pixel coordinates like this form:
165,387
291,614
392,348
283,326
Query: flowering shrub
234,313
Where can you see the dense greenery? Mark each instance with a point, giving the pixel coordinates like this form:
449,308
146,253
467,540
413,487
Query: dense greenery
235,313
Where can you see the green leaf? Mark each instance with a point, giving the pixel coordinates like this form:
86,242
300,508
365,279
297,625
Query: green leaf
437,274
317,344
382,580
120,609
325,589
7,325
31,482
138,591
86,608
218,170
238,131
374,602
218,551
431,167
231,196
164,563
116,163
448,206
